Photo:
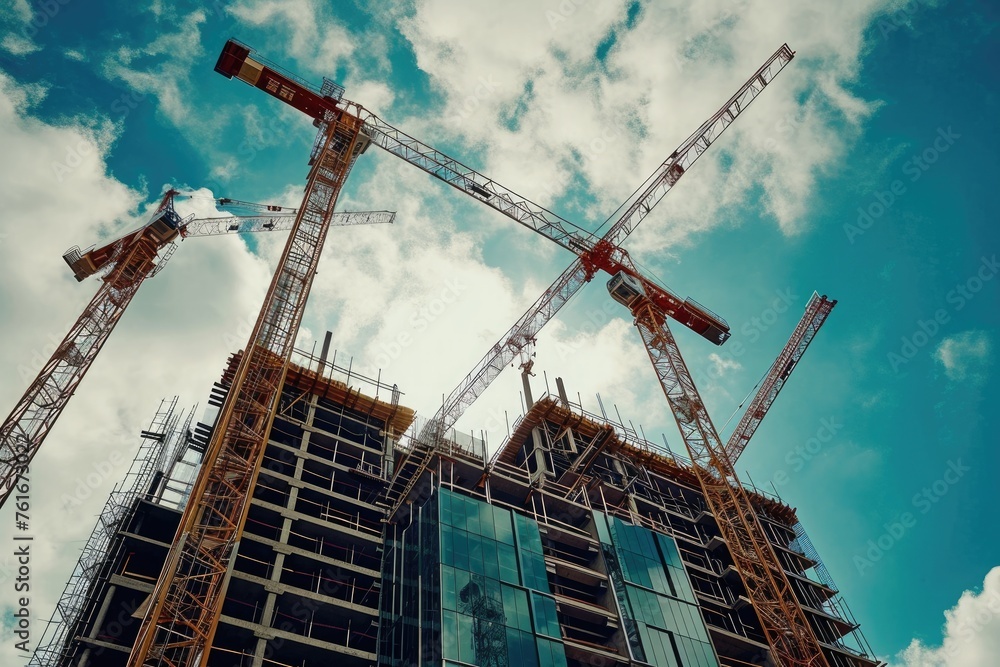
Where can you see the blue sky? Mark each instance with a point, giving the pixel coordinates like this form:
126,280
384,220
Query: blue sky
864,172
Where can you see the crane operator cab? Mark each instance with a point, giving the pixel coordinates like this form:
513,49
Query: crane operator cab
625,289
165,227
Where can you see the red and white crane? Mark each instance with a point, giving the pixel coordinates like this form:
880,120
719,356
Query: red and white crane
125,264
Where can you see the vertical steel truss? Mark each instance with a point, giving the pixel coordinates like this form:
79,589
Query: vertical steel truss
817,310
523,333
159,441
789,634
38,409
184,609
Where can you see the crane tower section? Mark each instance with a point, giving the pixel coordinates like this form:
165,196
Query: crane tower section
183,611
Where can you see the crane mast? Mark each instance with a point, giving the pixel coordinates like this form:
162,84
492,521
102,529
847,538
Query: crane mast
817,310
522,335
182,613
132,260
791,638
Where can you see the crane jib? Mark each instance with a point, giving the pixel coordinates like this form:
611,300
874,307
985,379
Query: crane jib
235,61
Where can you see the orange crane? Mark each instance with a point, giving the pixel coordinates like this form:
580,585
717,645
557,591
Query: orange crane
126,263
817,310
791,638
601,256
182,613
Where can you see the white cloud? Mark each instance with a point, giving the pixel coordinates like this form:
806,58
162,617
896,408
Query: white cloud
321,45
174,53
721,366
661,80
75,54
971,632
965,356
18,45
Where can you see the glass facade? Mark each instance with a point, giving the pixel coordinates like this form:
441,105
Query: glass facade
660,615
497,610
465,584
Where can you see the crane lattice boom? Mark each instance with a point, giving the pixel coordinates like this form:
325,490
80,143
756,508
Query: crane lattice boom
817,310
789,634
279,222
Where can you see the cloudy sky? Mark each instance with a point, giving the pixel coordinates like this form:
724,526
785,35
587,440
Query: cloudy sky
863,172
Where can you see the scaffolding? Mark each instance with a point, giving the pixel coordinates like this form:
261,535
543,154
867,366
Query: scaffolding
162,445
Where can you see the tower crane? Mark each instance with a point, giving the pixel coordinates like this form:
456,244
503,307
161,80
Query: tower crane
791,638
520,337
125,264
817,310
183,611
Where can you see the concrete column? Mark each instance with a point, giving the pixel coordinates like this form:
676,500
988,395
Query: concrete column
101,614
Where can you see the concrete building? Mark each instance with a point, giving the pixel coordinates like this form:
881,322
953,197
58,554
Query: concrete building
577,543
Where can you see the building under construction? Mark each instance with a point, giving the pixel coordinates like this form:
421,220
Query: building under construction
577,543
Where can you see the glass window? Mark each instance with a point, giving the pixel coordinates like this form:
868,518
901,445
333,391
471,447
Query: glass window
486,520
447,545
550,653
449,597
501,525
508,564
491,564
461,546
466,649
529,655
514,648
449,635
445,504
544,612
472,516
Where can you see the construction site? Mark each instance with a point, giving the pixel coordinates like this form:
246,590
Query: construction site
312,517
